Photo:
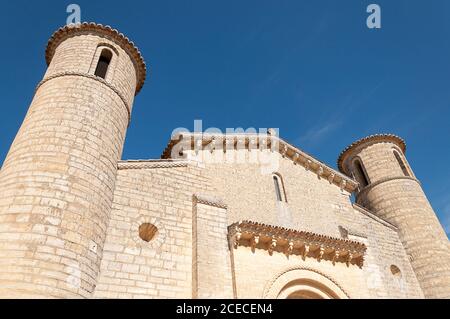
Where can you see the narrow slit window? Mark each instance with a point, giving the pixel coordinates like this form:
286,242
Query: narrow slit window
361,174
402,164
279,188
103,63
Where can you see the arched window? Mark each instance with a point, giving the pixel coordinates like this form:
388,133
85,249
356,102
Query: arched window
279,188
360,173
103,63
401,163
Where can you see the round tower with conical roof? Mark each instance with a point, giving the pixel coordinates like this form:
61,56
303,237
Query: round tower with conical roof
389,188
58,179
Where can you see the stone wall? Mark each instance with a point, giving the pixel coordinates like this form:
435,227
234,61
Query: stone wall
314,205
162,268
255,272
190,256
248,189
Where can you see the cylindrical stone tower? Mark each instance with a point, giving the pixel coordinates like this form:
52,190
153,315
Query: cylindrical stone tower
389,189
58,179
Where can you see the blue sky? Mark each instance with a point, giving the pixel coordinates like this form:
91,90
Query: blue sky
311,68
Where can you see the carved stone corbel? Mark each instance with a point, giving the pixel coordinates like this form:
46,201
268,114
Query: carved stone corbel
343,184
237,238
235,142
284,150
331,178
321,253
335,257
273,244
308,165
305,252
320,171
290,248
263,143
240,143
255,242
229,143
271,145
349,258
295,158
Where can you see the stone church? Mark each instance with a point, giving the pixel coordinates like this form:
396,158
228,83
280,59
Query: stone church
76,221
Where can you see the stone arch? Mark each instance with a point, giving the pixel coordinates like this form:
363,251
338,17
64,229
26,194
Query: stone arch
101,49
279,187
360,172
304,282
406,170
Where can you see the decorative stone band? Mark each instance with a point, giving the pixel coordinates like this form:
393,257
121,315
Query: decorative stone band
384,180
222,142
106,31
90,76
209,200
293,242
152,164
290,274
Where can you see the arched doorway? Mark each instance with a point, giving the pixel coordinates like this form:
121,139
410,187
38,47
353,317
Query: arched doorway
304,284
304,294
307,289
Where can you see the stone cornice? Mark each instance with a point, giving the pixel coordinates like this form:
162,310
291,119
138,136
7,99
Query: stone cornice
209,200
253,141
152,164
92,77
69,30
372,139
294,242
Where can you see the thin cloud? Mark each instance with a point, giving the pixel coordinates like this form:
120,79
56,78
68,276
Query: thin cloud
350,104
317,134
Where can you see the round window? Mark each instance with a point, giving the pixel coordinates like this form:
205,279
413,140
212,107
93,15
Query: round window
147,232
396,271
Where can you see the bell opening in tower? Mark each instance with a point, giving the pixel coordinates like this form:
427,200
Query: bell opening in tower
103,63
